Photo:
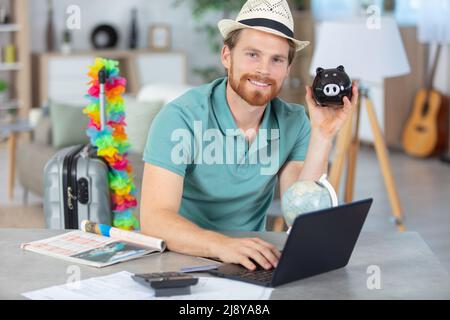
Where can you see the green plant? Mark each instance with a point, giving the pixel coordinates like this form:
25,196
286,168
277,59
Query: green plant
3,85
13,112
199,9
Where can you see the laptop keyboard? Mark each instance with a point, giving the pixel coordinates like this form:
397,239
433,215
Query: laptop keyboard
260,275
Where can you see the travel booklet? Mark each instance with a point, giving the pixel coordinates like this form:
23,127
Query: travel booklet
97,245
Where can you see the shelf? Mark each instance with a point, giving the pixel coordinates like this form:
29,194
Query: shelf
18,29
10,66
10,105
9,27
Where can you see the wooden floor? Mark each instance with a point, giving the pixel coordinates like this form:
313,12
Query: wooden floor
423,187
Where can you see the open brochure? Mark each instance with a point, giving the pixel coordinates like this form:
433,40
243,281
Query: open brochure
96,250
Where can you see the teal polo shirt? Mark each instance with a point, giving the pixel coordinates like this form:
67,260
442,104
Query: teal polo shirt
228,183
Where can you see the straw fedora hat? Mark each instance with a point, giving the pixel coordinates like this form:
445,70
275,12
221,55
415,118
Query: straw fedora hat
272,16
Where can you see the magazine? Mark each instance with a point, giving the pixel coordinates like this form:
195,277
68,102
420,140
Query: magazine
97,250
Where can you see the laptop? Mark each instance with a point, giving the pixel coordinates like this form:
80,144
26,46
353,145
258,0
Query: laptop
318,242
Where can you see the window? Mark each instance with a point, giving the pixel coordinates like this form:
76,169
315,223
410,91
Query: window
406,12
334,9
341,9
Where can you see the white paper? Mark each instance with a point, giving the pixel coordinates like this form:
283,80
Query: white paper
120,286
117,286
211,288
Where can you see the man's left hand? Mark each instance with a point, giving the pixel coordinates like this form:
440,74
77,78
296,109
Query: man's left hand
327,121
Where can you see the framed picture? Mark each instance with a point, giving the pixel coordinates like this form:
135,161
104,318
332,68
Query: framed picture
159,37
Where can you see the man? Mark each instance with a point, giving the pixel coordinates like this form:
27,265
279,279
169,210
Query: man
198,179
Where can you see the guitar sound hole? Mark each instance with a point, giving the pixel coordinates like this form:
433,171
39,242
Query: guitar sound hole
425,110
421,129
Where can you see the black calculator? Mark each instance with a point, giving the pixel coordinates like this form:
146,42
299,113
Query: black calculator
167,283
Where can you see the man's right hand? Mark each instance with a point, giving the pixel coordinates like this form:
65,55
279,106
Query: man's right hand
244,250
160,203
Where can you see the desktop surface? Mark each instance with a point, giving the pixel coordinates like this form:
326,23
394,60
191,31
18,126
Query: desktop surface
407,268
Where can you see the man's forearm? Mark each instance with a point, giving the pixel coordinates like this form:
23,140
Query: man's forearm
181,235
316,162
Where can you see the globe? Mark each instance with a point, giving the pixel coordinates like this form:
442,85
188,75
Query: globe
307,196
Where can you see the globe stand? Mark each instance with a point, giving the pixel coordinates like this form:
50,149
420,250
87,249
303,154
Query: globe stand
347,144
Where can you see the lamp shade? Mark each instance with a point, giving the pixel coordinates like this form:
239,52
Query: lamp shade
369,54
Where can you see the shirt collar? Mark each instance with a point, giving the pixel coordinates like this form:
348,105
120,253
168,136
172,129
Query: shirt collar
225,119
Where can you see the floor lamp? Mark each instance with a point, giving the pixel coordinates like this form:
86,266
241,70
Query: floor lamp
368,53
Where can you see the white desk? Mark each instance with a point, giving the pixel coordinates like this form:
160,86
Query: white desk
409,270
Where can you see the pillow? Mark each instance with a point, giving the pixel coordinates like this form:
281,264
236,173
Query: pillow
42,133
69,125
139,116
164,92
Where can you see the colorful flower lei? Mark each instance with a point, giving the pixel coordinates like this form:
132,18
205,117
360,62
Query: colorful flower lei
112,142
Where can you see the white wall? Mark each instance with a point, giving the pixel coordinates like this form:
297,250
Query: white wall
442,77
118,13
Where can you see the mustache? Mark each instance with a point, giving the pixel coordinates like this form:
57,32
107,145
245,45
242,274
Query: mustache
258,78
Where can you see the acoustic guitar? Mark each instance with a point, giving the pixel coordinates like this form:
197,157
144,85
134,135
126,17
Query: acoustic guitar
426,131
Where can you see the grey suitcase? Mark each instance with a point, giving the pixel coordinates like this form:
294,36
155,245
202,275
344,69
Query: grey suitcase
76,185
76,189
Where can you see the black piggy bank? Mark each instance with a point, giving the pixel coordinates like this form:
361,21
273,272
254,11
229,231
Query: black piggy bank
331,85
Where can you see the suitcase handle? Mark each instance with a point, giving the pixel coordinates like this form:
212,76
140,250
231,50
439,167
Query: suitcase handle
102,80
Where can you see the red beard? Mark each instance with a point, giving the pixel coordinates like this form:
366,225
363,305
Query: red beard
253,95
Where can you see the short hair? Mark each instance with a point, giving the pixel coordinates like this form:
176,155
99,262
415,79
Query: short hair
233,37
